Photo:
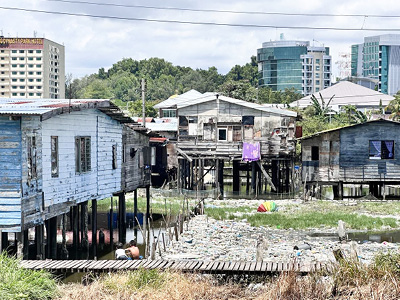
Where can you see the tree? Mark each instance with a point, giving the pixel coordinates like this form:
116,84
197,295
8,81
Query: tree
239,90
394,107
97,89
321,109
135,108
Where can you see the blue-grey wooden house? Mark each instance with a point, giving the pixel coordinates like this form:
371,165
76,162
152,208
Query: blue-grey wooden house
367,153
58,153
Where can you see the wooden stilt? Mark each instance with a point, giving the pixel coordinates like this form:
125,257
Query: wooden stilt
85,228
221,177
179,175
121,218
75,229
39,241
94,228
4,240
25,244
112,223
247,178
64,251
236,178
19,244
253,176
135,211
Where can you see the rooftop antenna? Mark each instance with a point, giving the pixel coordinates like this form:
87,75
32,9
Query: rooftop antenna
34,33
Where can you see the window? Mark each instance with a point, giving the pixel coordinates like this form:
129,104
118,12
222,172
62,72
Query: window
38,58
114,156
22,94
317,68
222,136
30,58
82,155
39,94
14,66
38,51
31,156
14,58
30,66
14,79
38,66
30,73
13,51
30,51
30,80
317,61
14,94
54,156
22,58
31,94
381,149
168,113
21,51
314,153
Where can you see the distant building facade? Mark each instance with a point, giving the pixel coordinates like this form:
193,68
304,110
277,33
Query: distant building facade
31,68
378,58
294,64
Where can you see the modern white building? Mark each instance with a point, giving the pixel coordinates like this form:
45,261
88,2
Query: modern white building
31,68
378,58
294,64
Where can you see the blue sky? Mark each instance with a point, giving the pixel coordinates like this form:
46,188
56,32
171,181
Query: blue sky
92,43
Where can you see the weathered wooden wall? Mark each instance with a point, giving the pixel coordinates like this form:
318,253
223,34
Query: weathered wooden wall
344,154
275,132
355,165
10,172
327,167
134,171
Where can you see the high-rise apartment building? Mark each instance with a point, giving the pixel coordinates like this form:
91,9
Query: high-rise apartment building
31,68
378,58
294,64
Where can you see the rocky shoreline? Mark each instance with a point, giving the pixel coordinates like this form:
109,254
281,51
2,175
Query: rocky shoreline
209,239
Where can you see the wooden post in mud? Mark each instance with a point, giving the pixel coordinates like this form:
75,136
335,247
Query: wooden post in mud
112,223
25,244
221,177
64,251
39,241
51,229
121,218
247,178
75,228
135,211
253,176
4,240
94,228
85,228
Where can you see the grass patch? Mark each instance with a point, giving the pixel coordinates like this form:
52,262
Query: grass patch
19,283
158,205
305,215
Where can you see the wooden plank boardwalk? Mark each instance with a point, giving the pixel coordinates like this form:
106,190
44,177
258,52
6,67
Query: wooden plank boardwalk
216,267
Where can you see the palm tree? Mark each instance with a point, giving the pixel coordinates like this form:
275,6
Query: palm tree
321,109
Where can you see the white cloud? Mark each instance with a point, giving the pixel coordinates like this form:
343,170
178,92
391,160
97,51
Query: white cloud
92,43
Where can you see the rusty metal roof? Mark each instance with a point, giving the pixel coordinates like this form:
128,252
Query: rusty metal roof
47,108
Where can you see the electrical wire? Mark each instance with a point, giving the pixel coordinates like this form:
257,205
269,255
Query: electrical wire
225,11
196,23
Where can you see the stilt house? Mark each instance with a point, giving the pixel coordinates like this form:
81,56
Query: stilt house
215,129
365,153
57,153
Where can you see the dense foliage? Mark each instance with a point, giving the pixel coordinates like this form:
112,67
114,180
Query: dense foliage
122,83
20,283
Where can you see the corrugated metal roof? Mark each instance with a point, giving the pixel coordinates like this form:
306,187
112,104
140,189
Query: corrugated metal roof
346,92
12,106
261,107
175,99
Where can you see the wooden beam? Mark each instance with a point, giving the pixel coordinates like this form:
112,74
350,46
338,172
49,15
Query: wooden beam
184,154
266,175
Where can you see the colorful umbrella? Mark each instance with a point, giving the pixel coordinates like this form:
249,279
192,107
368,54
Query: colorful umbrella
267,206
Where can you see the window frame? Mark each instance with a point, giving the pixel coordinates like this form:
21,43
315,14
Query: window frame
226,134
382,144
83,154
54,148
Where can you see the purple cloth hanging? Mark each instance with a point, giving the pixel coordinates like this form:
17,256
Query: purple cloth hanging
251,151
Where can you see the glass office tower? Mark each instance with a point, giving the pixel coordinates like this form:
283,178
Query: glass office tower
294,64
378,58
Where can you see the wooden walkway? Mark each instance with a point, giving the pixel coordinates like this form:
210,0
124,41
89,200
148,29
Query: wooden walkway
216,267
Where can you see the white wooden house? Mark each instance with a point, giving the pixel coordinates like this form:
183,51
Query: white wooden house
57,153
